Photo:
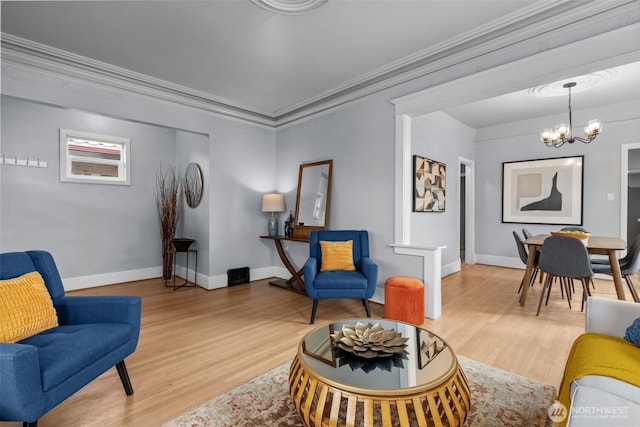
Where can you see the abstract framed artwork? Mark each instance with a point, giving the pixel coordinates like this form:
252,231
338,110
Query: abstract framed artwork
430,346
429,185
545,191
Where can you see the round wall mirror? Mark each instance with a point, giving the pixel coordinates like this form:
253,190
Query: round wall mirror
193,185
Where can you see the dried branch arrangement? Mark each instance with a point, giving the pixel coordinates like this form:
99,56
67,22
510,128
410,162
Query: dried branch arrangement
168,193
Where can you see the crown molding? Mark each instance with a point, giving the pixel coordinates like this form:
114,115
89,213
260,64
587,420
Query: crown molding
542,26
26,53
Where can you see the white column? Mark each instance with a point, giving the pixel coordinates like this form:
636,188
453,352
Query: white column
403,180
431,275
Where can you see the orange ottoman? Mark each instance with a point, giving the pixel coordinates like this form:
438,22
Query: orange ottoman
404,299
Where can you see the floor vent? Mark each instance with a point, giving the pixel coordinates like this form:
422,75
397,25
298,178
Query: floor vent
237,276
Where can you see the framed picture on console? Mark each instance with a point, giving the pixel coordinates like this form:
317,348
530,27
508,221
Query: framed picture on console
543,191
430,179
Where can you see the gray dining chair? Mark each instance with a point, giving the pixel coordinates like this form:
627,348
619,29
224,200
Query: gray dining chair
565,258
524,255
629,266
526,233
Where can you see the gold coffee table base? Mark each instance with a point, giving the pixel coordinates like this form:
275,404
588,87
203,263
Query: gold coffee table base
321,404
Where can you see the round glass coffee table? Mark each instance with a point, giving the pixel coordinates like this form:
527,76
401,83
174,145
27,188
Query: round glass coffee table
423,385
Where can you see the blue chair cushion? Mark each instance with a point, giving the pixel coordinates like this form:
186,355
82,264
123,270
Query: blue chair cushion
66,350
340,279
632,333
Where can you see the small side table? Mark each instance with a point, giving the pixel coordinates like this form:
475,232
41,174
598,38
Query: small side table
186,279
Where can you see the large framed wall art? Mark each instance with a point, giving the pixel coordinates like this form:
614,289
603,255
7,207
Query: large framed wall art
429,185
545,191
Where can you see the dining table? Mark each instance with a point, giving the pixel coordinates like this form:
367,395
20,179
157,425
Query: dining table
596,245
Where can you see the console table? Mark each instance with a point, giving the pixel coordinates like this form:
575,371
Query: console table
295,282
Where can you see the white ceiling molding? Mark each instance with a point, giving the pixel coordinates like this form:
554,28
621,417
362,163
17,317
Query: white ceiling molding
614,49
289,7
519,41
609,50
26,53
583,83
542,26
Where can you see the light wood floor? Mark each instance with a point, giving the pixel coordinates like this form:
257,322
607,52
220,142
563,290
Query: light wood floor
196,344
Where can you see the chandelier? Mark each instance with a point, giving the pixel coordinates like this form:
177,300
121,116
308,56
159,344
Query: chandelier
562,133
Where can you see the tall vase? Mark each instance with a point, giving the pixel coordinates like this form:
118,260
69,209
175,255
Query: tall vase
167,259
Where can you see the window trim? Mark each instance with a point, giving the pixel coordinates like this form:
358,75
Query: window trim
124,165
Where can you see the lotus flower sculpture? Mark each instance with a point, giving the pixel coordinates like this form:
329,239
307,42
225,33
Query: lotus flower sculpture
369,341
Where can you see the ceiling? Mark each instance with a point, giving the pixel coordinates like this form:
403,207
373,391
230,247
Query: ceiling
244,57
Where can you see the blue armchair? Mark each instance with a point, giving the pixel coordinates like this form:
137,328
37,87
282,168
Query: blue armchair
358,283
94,334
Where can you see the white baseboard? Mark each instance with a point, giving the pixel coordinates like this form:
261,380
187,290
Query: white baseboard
202,280
220,281
500,261
85,282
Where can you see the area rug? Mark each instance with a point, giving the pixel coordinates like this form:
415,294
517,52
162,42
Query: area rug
498,398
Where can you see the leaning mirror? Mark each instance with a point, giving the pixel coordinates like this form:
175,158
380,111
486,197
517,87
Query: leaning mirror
192,185
313,198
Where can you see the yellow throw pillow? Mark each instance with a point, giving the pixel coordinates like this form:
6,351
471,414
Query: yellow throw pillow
26,308
337,255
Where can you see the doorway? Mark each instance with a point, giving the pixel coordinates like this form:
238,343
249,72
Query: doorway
466,211
630,192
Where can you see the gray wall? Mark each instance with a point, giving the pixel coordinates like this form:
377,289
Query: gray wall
238,160
633,210
439,137
601,176
194,222
360,140
243,161
90,227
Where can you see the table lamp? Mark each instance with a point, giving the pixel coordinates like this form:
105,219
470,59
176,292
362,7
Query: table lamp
273,203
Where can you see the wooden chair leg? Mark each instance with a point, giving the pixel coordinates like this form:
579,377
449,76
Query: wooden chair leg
313,311
547,283
568,283
124,377
632,288
533,277
551,279
521,284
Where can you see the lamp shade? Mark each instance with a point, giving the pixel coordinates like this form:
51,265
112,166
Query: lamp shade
273,202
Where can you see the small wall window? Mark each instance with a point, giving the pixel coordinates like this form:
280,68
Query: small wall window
92,158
